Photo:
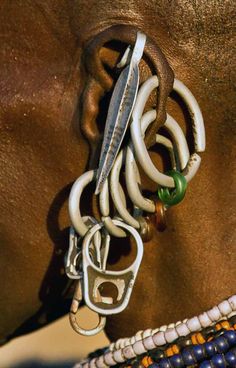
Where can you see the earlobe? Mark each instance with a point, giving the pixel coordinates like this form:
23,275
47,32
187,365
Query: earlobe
100,82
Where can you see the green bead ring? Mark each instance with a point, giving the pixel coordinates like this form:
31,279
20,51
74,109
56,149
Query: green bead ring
173,196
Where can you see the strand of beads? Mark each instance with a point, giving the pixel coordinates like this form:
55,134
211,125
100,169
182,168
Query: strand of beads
159,338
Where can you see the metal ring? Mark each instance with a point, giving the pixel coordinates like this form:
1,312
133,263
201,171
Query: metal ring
129,273
131,170
116,192
105,210
136,133
73,311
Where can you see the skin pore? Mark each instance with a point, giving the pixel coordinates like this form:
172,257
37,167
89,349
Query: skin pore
186,269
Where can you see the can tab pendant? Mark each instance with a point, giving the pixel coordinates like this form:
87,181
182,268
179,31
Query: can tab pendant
119,112
94,277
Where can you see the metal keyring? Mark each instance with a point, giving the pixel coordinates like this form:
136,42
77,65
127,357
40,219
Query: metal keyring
73,311
93,276
136,133
116,194
131,169
105,210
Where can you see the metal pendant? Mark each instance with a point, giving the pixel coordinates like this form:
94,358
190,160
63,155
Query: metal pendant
119,112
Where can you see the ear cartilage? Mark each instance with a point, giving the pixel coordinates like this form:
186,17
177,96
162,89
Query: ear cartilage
90,238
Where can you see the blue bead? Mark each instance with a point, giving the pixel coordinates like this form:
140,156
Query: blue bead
154,365
218,361
188,357
210,348
231,337
176,361
230,358
222,344
205,364
198,352
165,363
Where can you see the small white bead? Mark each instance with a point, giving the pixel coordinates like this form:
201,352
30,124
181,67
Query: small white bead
147,333
84,365
127,342
194,324
132,340
204,320
118,356
108,359
117,344
214,314
171,325
149,343
232,302
138,335
163,328
128,352
171,335
112,346
139,347
100,362
159,338
225,308
182,329
92,363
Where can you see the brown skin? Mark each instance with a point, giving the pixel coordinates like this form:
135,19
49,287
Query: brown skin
43,77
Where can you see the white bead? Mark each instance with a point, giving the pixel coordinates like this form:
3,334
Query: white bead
204,320
159,338
225,308
132,340
112,346
108,359
182,329
194,324
149,343
139,347
84,365
171,335
163,328
138,335
214,314
232,302
92,363
100,362
171,325
128,352
127,343
117,344
147,333
118,356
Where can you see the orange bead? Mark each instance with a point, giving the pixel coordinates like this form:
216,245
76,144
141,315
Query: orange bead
175,349
194,339
150,361
145,361
200,338
169,352
225,324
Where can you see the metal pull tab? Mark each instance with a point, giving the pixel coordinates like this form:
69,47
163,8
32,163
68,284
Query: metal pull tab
94,277
78,296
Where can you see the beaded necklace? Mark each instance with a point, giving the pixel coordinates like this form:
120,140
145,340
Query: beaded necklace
205,341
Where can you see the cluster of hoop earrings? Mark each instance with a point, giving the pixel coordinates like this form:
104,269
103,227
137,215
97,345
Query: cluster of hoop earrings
90,238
